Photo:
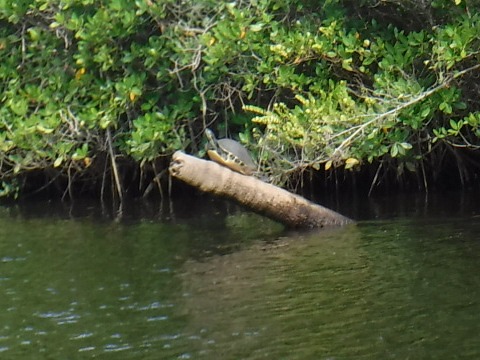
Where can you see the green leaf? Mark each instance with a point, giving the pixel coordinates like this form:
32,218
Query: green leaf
445,107
410,166
256,27
406,146
394,150
346,64
19,106
454,125
425,112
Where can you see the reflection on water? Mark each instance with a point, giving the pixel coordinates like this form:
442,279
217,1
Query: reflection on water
231,285
383,290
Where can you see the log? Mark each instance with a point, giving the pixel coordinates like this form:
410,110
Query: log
278,204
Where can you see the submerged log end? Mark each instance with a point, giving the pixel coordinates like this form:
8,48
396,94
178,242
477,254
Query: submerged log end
290,209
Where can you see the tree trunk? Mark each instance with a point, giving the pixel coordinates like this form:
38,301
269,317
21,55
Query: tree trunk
269,200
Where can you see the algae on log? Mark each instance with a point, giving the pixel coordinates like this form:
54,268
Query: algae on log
269,200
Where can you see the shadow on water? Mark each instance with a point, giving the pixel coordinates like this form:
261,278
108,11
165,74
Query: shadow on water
446,204
206,280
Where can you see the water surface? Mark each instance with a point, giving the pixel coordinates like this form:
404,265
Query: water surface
216,282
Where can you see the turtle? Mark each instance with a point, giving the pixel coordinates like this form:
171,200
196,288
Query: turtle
230,153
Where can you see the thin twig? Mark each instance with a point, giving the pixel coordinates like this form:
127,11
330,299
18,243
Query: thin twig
116,176
375,179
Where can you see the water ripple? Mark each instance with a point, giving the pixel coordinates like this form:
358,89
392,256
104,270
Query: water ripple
82,336
157,318
62,317
115,347
6,259
87,348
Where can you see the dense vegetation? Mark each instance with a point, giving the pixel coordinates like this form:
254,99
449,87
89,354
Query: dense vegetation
99,93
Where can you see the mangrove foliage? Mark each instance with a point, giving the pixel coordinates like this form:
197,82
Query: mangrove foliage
97,94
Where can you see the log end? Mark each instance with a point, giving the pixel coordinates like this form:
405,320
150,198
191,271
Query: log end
176,164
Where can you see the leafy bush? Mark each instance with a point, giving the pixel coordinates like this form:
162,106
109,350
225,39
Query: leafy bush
89,85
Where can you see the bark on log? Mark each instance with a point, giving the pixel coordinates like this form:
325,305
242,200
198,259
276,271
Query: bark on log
269,200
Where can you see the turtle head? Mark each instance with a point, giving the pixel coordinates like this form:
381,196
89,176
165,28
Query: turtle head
211,138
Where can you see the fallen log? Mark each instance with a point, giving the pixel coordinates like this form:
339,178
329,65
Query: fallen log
278,204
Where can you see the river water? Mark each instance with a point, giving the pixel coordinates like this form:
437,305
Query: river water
205,280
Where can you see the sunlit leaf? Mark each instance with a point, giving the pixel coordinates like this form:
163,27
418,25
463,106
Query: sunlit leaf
425,112
351,162
80,72
256,27
58,161
394,150
243,33
43,130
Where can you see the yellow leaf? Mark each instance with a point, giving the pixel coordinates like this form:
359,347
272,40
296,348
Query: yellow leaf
87,161
44,130
58,161
297,60
80,72
458,2
243,33
328,165
132,96
6,145
211,42
351,162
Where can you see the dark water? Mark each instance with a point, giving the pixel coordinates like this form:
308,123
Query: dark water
210,282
